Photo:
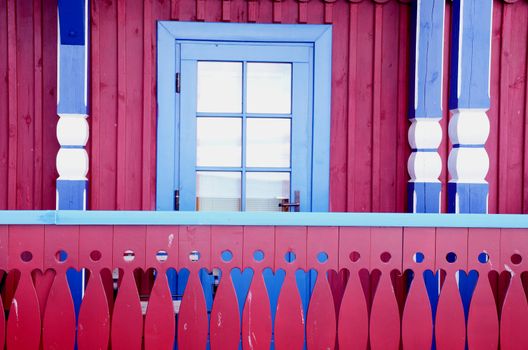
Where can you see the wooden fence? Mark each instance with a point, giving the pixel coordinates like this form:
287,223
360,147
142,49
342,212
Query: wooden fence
282,286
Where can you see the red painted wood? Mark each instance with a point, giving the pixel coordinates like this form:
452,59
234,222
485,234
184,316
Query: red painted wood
24,322
37,110
95,105
289,318
127,319
389,115
25,105
146,193
192,319
417,319
50,144
12,104
321,320
160,320
4,110
121,105
354,255
59,323
386,256
95,253
450,324
256,316
349,194
403,151
483,321
376,109
225,319
133,106
514,317
4,239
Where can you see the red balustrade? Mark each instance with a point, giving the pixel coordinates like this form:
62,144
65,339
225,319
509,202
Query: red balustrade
385,303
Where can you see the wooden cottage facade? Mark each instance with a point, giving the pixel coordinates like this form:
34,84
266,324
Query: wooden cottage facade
406,132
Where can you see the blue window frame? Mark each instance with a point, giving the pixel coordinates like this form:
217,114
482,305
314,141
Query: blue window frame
183,46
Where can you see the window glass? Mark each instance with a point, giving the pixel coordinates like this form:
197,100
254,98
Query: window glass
218,142
219,87
218,191
268,142
264,191
269,88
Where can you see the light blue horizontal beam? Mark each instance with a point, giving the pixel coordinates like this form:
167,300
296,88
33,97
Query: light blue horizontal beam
73,217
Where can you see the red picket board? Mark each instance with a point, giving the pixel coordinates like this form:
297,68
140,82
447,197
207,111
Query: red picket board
225,318
417,319
195,242
354,255
59,323
321,320
386,256
127,318
95,254
159,321
3,269
256,316
289,319
24,323
450,324
483,320
514,317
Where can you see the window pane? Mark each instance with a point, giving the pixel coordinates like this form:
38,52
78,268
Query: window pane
218,191
269,88
218,141
264,191
268,142
219,87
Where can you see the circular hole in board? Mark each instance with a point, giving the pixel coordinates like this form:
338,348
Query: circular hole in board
162,256
61,256
227,256
95,255
194,256
129,255
355,256
451,257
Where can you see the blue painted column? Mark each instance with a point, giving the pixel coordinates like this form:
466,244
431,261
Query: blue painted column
468,102
72,127
425,134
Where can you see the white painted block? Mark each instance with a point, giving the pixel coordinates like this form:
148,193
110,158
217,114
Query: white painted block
424,166
72,130
425,133
72,164
469,126
468,165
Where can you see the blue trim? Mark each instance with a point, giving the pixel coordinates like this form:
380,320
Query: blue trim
76,217
72,80
71,194
190,35
470,54
432,150
457,145
472,198
167,159
71,20
424,197
72,146
426,59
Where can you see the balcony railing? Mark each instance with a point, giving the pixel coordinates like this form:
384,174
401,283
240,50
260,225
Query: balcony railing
322,280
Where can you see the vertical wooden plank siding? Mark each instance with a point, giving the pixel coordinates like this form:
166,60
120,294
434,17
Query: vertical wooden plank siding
369,99
4,108
28,79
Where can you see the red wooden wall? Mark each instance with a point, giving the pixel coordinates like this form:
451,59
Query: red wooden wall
369,99
28,104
